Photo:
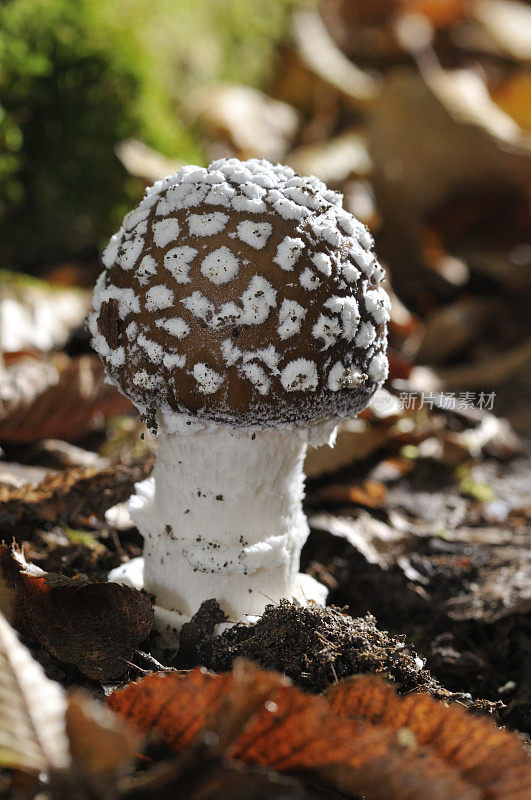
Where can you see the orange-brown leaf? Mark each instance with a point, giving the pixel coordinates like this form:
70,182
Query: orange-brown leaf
361,738
95,626
54,397
487,757
297,732
171,707
368,493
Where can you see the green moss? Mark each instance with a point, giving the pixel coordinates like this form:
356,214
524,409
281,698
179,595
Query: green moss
78,76
82,538
476,491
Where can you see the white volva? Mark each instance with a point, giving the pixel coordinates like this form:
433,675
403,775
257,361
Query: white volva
222,518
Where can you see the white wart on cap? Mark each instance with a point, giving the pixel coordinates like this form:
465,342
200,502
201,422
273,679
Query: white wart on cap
244,295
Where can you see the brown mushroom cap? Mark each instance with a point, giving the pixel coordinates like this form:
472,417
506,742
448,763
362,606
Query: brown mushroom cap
242,294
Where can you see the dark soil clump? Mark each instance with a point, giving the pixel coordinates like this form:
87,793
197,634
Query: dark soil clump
314,646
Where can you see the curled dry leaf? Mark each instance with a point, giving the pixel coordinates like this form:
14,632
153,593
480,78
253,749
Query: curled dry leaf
321,54
54,397
94,626
71,496
32,709
296,732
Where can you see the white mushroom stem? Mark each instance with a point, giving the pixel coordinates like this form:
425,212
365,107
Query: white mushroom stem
222,517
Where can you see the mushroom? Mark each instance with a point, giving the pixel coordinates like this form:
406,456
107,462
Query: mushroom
240,310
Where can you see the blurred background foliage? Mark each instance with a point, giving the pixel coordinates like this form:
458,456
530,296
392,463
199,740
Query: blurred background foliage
78,76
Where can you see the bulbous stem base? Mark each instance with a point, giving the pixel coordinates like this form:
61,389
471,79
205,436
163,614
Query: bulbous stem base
222,518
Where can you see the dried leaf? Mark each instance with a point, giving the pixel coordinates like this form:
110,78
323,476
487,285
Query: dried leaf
334,160
250,122
370,494
100,744
36,314
250,690
32,708
420,167
296,732
94,626
491,759
321,54
509,24
171,707
145,163
356,440
47,397
441,13
71,496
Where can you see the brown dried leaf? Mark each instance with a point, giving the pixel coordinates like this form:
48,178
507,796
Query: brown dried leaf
420,167
145,163
94,626
356,440
70,496
296,732
300,733
36,314
321,54
490,759
54,397
508,22
100,743
334,160
370,494
250,122
171,707
514,96
32,731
